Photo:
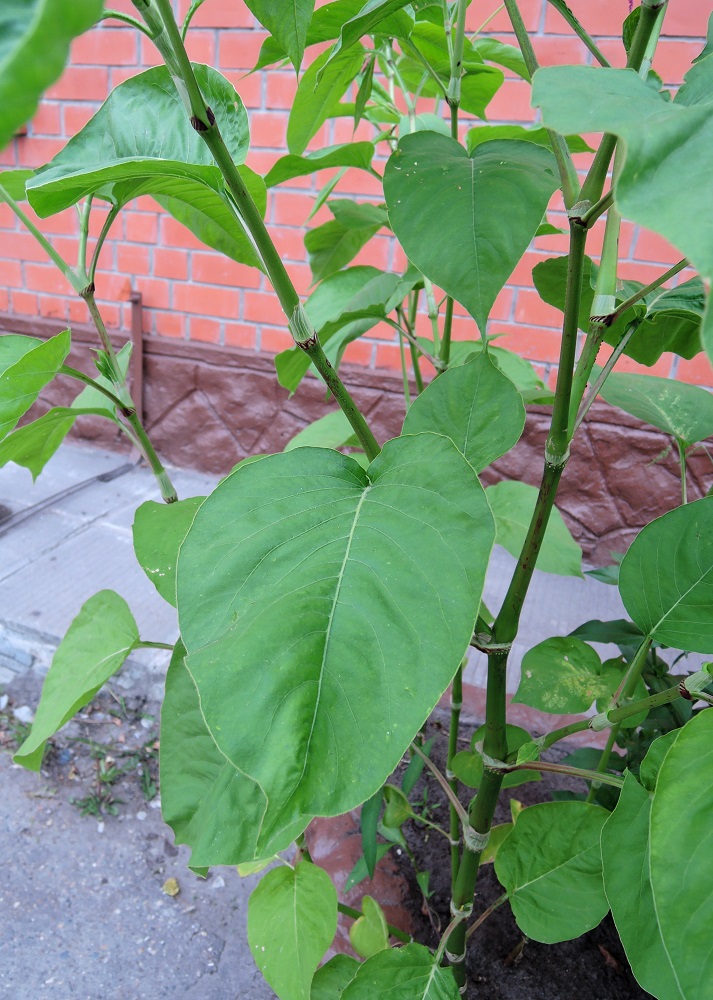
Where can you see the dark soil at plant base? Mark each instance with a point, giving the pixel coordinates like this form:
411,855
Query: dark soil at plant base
501,964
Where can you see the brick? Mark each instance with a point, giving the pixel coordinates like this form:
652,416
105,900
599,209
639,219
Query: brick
240,335
51,307
24,303
219,14
106,47
4,300
558,50
213,269
133,260
387,356
45,278
113,287
220,302
140,227
533,343
673,59
477,13
76,116
358,353
240,49
697,371
156,294
200,46
150,55
263,307
689,19
289,209
652,247
280,89
625,364
77,311
169,324
173,234
248,87
603,18
33,152
269,130
530,309
47,119
81,83
11,274
119,74
7,219
512,103
170,263
205,330
275,340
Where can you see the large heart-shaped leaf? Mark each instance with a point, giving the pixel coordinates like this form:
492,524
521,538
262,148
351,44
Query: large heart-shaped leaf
685,411
513,504
303,586
476,406
292,918
627,881
465,221
35,36
681,855
158,531
666,578
331,979
287,21
551,867
26,367
141,142
95,646
408,973
661,185
208,802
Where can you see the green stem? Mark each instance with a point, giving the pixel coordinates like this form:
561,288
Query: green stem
484,916
435,361
603,762
349,911
598,209
410,48
74,280
586,774
404,372
432,310
682,463
452,798
646,290
581,33
456,706
410,326
127,19
454,84
87,380
166,36
145,644
457,919
108,222
83,235
557,447
195,6
488,19
593,347
565,164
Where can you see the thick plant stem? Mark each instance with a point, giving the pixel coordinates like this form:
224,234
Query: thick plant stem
159,17
456,706
565,164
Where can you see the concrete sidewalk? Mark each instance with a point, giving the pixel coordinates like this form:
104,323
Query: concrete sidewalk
84,914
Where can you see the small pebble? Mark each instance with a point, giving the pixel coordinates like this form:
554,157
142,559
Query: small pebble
3,701
100,827
147,723
141,814
218,882
24,714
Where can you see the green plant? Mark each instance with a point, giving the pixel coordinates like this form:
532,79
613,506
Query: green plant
326,600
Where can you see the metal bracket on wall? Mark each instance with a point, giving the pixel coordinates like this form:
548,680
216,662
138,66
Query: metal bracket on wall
136,368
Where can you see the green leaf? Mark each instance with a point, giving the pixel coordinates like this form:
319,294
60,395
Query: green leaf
26,367
496,840
202,792
158,531
369,822
376,15
627,881
491,50
540,136
287,21
334,244
551,867
95,646
366,85
681,849
479,86
512,504
564,676
33,445
660,185
398,808
359,871
369,934
651,764
319,93
35,36
331,979
119,156
415,768
13,183
619,631
439,198
517,369
666,578
476,406
297,587
685,411
330,431
91,398
408,973
292,918
351,154
468,765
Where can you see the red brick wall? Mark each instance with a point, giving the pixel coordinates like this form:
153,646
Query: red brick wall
191,293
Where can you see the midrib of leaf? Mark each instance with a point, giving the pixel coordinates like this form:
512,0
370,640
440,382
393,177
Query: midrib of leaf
656,913
550,871
683,596
328,633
